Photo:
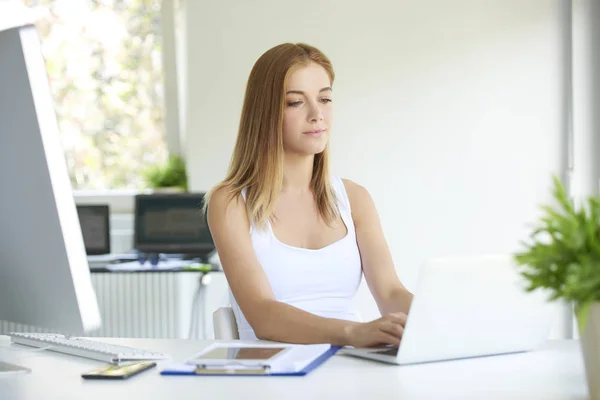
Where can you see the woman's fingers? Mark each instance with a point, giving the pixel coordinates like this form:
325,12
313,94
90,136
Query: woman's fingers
399,318
387,338
393,328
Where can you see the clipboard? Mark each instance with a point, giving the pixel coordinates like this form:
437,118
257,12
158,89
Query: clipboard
203,370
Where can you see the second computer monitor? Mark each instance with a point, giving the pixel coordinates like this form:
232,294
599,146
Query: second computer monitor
172,223
95,227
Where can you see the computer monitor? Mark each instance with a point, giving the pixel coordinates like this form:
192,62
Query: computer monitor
172,223
95,227
44,275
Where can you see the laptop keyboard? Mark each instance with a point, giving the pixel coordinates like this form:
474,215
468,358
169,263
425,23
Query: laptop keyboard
389,352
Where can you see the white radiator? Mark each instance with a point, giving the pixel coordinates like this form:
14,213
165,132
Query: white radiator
140,305
136,305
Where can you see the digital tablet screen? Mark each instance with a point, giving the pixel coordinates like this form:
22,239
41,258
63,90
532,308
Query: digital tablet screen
241,353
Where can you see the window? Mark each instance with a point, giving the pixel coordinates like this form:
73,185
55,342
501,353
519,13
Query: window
104,61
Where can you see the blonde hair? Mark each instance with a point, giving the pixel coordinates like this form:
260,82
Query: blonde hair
257,160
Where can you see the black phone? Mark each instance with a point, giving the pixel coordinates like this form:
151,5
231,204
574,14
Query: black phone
119,371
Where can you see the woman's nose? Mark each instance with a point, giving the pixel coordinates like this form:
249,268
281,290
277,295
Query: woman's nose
315,113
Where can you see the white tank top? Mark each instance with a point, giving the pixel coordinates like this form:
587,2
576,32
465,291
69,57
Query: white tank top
322,281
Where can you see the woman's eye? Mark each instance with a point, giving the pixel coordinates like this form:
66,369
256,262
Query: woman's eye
325,100
294,103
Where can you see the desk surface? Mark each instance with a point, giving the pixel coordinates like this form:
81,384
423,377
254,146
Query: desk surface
98,264
554,372
104,270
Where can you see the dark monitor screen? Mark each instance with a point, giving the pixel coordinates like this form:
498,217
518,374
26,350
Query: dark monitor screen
95,227
171,223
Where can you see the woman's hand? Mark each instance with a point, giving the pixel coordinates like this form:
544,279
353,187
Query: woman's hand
386,330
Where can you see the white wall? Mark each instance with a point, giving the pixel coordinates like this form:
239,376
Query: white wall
451,113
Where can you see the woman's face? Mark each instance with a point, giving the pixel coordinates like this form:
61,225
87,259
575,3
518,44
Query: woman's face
308,111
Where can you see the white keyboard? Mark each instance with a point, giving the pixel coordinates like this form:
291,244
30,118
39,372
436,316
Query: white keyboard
86,348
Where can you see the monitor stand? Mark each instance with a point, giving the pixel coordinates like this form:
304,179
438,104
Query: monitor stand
204,257
7,368
154,258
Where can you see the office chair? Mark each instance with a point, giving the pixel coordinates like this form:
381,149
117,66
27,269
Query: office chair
224,324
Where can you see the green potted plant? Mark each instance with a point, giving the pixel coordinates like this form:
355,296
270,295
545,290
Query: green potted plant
563,256
170,176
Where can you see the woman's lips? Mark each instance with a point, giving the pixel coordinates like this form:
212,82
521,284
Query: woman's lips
315,133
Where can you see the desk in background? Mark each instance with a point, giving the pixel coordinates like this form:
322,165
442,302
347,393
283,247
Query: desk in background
553,373
153,303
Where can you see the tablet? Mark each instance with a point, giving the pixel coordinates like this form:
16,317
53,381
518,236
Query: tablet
242,354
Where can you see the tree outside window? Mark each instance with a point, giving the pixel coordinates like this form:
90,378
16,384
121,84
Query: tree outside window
104,66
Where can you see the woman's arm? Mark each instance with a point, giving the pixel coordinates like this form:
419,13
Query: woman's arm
389,293
271,319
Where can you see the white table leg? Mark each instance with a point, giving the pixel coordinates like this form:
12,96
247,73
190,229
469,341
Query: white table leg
198,318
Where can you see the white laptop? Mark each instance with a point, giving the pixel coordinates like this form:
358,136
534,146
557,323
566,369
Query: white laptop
469,307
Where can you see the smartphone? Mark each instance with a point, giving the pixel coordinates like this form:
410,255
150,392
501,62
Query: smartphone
119,371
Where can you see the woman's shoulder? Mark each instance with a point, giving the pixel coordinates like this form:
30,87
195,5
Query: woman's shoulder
222,200
222,195
353,189
358,196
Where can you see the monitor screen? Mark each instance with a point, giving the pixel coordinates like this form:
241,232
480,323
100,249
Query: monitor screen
171,223
45,278
95,227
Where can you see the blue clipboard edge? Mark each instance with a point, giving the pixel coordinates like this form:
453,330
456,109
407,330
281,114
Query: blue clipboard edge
310,367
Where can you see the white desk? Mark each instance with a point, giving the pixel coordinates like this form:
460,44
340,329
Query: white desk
556,372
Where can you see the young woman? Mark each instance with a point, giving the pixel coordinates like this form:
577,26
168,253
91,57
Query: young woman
294,240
